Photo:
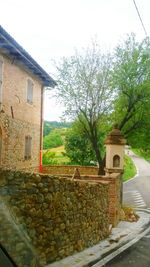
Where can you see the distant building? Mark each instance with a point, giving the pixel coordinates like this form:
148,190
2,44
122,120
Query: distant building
22,82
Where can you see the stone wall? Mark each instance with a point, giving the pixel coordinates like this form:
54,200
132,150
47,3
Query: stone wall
69,169
13,143
59,216
19,118
15,240
14,86
114,192
89,173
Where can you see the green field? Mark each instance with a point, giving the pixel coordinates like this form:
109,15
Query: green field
55,156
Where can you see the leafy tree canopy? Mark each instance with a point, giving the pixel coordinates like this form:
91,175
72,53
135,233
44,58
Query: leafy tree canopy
102,89
131,80
53,139
84,88
77,146
50,125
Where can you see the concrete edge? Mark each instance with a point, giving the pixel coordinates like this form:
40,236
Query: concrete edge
119,248
103,261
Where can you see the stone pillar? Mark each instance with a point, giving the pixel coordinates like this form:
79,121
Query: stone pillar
115,143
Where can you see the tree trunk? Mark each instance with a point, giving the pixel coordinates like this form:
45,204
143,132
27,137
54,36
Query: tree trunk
101,170
101,162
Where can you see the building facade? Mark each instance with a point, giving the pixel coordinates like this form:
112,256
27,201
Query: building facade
22,83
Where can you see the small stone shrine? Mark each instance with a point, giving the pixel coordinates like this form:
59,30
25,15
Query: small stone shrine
115,143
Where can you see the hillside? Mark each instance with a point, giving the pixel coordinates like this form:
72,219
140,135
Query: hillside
50,125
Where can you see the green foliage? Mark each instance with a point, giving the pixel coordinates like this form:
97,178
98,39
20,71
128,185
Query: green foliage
49,158
140,139
84,88
131,81
77,146
50,125
53,139
129,168
99,92
55,156
142,153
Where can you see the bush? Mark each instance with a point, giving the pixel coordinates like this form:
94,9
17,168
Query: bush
49,158
54,139
129,168
78,147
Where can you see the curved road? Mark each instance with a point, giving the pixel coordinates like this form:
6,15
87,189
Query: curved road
136,192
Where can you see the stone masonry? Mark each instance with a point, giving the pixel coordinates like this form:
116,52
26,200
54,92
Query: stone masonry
57,216
19,118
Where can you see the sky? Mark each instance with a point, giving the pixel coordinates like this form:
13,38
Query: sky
51,29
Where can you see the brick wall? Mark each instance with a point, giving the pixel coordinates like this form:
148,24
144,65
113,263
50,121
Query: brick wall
69,169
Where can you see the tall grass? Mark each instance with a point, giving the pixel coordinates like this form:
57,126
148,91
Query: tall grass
55,156
129,168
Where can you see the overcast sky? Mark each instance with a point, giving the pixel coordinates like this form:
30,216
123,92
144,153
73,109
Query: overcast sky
51,29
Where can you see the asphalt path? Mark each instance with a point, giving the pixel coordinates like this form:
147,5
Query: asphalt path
136,256
136,192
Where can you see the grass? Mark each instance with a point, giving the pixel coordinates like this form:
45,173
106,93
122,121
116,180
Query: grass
129,168
55,156
142,153
60,156
58,149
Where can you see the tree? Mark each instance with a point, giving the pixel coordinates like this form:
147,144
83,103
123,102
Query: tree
50,125
131,80
77,146
84,88
53,139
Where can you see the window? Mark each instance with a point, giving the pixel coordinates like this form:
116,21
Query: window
29,91
1,78
0,144
28,141
116,161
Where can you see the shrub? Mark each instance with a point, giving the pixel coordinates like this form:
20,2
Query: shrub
49,158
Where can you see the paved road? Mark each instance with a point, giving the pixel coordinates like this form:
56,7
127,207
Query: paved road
136,192
136,256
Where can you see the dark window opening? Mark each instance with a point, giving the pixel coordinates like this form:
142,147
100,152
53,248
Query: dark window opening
29,91
116,161
28,141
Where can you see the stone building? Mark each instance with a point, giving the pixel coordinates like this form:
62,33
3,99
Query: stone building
22,83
